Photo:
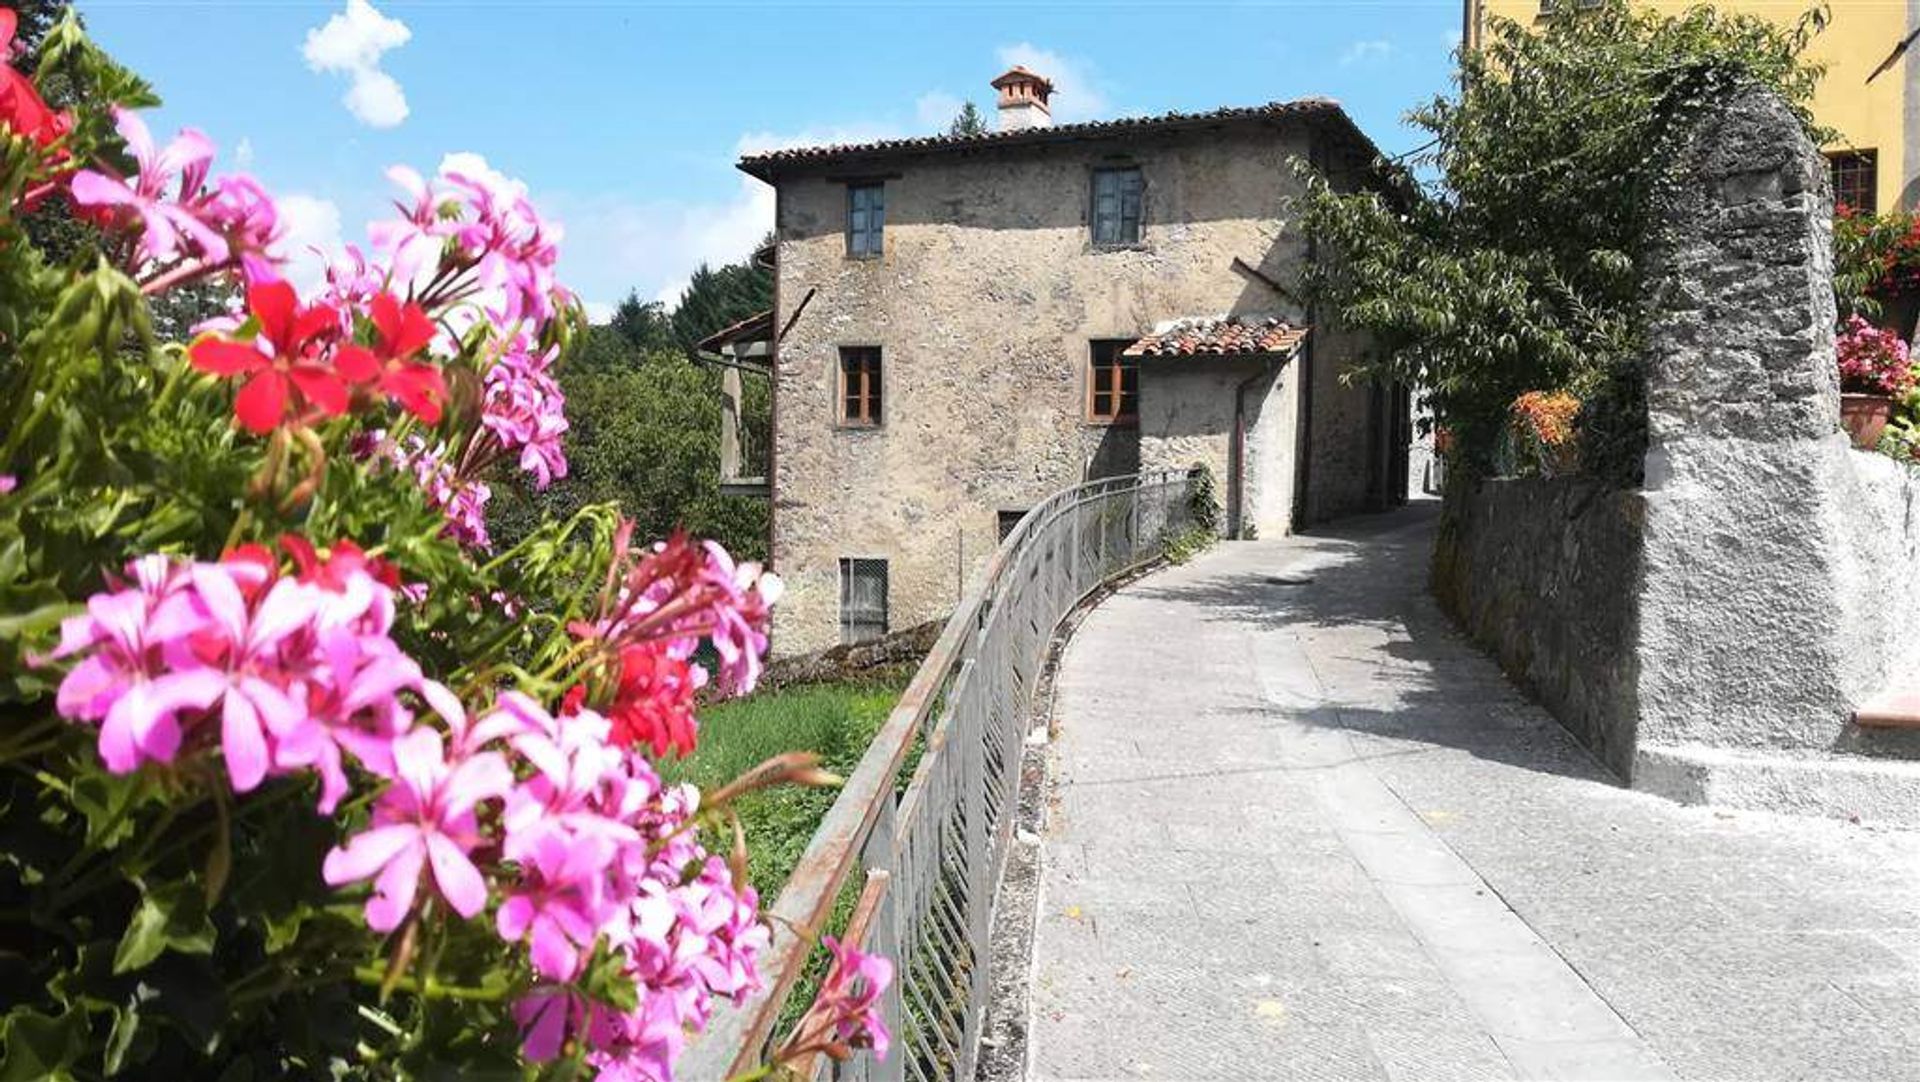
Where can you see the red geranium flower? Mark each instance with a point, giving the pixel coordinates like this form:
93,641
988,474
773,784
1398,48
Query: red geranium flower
403,330
22,110
294,373
654,702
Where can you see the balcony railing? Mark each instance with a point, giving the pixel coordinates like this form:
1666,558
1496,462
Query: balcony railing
926,858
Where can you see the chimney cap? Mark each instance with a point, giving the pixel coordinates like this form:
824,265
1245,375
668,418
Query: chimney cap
1016,75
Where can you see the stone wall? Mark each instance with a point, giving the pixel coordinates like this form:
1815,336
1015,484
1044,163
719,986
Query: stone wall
1542,573
1186,420
1766,571
984,302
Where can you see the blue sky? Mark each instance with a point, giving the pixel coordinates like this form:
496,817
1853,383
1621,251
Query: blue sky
624,118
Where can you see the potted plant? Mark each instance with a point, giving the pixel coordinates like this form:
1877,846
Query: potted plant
1874,368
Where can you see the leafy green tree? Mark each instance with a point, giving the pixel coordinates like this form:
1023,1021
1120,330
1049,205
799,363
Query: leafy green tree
646,326
1509,256
645,434
644,420
717,298
968,122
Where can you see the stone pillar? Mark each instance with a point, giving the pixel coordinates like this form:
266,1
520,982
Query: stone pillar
1747,672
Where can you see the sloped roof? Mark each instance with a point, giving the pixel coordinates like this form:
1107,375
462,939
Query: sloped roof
1217,336
1327,110
757,327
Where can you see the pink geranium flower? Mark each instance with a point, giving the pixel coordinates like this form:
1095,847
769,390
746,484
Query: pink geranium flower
850,997
424,819
241,641
168,178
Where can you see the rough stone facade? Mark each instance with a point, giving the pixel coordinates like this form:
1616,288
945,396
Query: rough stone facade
1540,572
984,303
1764,576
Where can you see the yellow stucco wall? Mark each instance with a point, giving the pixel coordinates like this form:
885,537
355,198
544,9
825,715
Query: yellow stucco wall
1859,36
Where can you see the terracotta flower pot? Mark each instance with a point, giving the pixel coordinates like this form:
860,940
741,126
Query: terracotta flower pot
1864,416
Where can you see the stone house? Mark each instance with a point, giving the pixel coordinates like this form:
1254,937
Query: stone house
964,325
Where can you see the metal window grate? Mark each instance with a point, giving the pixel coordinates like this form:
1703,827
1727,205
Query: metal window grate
1856,180
1116,206
863,599
866,219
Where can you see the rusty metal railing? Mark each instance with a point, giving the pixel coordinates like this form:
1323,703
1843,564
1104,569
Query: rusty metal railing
927,858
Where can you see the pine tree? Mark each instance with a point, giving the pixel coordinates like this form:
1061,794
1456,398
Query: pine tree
969,122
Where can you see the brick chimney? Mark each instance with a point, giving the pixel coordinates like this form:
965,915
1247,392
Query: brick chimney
1023,100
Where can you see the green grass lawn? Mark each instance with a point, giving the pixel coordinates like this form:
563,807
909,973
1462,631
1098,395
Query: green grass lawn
835,721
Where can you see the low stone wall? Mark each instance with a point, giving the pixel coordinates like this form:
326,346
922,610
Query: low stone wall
1711,634
1542,573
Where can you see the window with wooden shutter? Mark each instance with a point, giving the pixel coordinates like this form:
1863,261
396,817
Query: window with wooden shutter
866,219
1113,382
860,385
863,599
1856,180
1116,206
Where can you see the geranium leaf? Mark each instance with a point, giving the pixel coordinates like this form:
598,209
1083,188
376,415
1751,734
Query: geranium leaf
174,917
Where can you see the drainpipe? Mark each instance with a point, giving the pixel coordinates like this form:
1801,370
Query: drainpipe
1303,432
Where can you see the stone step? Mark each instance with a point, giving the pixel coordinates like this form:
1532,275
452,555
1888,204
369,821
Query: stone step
1894,708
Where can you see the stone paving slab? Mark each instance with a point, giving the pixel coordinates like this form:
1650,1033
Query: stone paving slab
1307,831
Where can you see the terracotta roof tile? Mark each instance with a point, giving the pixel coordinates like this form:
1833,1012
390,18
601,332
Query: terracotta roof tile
1235,336
764,165
757,327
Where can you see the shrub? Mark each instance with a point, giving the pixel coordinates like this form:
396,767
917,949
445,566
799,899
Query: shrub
1508,255
305,778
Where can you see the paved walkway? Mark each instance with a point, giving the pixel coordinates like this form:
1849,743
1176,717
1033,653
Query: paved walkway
1302,829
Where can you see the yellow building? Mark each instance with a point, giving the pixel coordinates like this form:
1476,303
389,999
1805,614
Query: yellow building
1877,159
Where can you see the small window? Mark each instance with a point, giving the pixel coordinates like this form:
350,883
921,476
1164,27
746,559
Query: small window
1008,520
860,385
866,219
1113,382
1116,206
1856,180
863,599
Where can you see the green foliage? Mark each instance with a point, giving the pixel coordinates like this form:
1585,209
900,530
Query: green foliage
1518,266
718,298
645,421
968,122
837,721
645,435
151,926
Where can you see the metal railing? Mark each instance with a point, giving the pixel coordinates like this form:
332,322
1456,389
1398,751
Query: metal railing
927,859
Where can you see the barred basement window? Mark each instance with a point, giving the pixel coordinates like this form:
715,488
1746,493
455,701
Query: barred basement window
1116,206
866,219
1008,520
1113,382
863,599
860,385
1856,180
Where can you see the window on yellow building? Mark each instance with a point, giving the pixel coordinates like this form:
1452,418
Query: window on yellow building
1855,180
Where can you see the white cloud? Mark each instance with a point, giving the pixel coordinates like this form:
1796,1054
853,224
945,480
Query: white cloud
312,238
1363,51
351,43
243,153
1076,95
617,244
935,110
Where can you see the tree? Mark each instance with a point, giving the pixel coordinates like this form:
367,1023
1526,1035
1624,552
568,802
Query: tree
967,123
647,327
1518,265
717,298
